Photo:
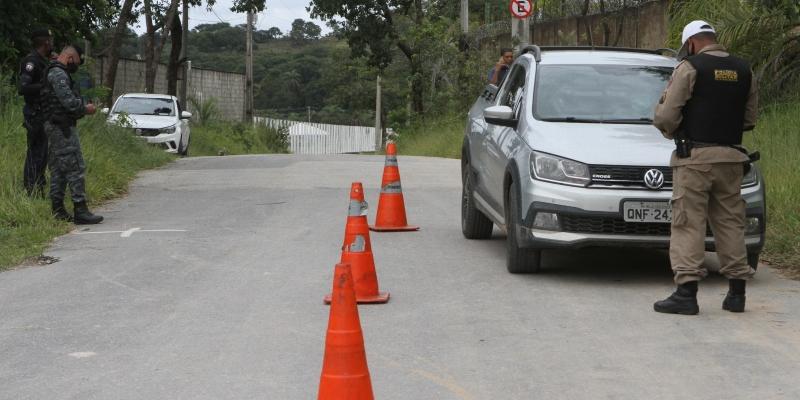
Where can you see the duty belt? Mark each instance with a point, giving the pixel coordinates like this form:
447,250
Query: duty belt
703,144
754,156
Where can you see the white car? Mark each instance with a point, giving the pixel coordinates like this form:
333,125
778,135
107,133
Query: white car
158,118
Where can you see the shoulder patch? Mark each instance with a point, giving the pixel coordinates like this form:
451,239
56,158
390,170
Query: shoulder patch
29,66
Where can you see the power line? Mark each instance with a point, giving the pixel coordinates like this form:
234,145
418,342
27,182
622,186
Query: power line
216,15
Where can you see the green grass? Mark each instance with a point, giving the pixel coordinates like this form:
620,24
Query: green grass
222,138
434,137
777,137
113,158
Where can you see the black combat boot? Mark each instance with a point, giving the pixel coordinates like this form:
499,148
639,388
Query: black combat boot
60,212
85,217
683,301
734,301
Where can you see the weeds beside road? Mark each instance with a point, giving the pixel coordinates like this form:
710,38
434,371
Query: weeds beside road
777,137
113,158
223,138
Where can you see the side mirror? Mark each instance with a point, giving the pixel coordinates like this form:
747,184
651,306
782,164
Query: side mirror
105,110
500,115
490,92
186,115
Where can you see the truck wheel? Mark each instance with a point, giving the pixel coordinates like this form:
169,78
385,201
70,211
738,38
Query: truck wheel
752,260
474,224
518,260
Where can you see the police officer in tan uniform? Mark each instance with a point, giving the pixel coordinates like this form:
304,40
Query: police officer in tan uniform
709,102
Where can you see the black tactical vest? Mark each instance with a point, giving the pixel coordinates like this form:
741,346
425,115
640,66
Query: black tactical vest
715,113
38,75
52,108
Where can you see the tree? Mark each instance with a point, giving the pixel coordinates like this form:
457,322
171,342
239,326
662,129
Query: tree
267,35
128,44
113,54
303,31
374,27
68,19
765,32
311,31
149,48
174,63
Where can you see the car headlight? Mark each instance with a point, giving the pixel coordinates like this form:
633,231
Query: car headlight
751,178
548,167
169,129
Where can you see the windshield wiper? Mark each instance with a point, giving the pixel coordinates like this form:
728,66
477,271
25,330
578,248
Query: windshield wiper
571,119
643,120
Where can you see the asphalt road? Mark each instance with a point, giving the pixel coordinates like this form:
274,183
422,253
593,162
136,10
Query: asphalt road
206,282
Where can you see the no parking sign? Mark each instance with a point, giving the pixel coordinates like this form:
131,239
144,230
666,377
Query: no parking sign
521,8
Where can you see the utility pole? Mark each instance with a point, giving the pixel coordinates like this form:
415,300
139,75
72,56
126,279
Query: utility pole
465,16
378,133
248,79
185,63
309,114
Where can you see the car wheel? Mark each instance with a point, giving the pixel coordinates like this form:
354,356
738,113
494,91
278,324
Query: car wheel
474,224
752,260
519,260
184,151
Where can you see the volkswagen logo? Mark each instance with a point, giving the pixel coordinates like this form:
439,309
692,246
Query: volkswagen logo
654,179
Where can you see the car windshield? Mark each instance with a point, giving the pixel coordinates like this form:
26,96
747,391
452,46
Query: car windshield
598,93
145,106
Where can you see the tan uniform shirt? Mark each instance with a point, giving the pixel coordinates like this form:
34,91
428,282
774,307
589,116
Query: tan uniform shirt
668,115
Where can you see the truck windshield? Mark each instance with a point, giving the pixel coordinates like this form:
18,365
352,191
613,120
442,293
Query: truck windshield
622,94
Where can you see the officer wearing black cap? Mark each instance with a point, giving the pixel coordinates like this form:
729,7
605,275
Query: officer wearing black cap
31,83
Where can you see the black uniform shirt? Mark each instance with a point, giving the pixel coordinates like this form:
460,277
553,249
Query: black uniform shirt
31,80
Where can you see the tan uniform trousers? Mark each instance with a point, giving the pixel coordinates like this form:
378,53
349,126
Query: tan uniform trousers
712,191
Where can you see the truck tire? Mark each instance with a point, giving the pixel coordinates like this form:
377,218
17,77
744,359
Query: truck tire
519,260
474,224
752,260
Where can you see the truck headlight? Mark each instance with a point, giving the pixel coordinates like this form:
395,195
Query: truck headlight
751,178
169,129
548,167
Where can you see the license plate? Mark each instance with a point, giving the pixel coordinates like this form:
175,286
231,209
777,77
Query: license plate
647,211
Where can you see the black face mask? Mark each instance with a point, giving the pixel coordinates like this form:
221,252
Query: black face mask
72,67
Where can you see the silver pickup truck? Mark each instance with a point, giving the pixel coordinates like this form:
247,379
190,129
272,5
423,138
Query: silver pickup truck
563,154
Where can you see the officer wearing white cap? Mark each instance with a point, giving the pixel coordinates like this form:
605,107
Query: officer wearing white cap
708,104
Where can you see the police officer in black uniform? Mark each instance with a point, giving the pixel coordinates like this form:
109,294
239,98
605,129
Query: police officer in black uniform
31,82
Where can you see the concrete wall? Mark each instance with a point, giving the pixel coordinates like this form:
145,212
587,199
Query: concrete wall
641,27
226,87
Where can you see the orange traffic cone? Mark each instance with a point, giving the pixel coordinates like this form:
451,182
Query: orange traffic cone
357,251
345,375
391,206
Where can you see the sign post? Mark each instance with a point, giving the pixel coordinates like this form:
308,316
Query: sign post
521,9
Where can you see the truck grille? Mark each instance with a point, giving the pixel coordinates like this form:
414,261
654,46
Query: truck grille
612,175
613,226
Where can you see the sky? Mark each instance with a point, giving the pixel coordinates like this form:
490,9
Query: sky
279,13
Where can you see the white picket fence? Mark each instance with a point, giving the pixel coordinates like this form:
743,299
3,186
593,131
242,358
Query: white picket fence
313,138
